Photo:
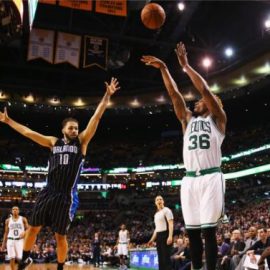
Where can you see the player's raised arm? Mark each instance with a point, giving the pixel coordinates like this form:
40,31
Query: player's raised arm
182,112
47,141
86,135
211,101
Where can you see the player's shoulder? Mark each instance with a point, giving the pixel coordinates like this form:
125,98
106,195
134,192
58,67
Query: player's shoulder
8,219
58,141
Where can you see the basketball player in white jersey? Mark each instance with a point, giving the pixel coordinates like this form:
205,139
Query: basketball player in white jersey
122,245
15,227
202,189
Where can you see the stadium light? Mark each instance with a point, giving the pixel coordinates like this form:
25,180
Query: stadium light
161,99
135,103
181,6
79,102
215,88
54,100
2,95
241,81
229,52
30,98
267,24
207,62
263,69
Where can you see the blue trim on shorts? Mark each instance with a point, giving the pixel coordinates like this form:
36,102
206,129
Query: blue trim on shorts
74,195
74,204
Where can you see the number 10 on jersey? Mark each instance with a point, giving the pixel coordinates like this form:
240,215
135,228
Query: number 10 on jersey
64,158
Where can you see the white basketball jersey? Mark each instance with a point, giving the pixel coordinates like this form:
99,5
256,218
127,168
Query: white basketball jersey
15,228
123,236
202,144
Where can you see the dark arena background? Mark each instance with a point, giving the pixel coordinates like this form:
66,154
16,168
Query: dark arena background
54,59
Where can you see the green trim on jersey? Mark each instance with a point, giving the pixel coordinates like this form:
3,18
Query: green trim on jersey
203,172
202,226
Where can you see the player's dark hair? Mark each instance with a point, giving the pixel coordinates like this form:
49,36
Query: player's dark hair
69,119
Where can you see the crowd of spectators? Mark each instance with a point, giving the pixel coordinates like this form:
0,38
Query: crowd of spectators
242,219
131,151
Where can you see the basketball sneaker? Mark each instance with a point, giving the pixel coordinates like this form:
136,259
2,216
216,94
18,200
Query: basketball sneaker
25,263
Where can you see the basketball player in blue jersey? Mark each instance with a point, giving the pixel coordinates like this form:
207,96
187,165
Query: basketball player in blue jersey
57,202
202,189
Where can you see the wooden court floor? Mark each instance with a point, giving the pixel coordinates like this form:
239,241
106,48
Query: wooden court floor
53,267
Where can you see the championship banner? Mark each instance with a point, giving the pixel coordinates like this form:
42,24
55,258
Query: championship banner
19,5
113,7
51,2
68,49
95,52
77,4
41,44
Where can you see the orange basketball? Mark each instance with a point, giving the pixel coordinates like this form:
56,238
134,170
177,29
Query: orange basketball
153,16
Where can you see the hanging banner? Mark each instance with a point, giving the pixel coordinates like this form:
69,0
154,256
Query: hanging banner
41,44
113,7
19,6
95,52
68,49
50,2
77,4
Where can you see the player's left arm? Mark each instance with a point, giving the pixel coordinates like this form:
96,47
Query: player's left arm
5,235
117,242
170,237
128,238
26,225
86,135
211,101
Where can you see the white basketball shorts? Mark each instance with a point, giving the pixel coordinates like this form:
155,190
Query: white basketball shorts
202,200
15,248
122,249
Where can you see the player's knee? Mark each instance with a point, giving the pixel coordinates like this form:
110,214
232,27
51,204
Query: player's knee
60,239
33,230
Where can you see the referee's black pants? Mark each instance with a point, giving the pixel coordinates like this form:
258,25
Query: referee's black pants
163,251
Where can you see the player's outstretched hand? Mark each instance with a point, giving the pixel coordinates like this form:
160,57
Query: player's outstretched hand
181,54
112,87
153,61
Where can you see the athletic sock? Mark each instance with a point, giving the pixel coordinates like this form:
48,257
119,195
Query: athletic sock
25,255
60,266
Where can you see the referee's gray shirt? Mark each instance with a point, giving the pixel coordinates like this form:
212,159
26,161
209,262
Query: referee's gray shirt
160,221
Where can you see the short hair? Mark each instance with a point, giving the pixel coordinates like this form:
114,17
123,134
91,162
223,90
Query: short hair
69,119
15,206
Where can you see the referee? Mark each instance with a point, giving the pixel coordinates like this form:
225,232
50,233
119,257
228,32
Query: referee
163,234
